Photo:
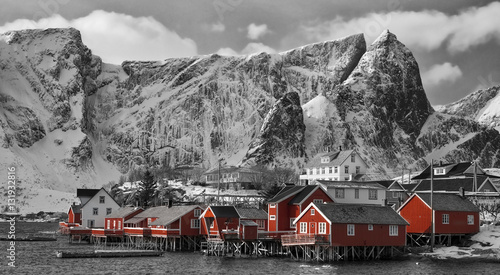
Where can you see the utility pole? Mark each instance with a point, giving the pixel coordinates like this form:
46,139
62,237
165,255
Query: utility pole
218,185
432,208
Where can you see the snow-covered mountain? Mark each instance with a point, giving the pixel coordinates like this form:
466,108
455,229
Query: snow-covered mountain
67,120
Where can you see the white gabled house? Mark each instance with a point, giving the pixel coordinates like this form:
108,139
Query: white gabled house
96,205
343,165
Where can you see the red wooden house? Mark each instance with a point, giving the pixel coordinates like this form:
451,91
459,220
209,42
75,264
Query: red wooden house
220,222
453,214
116,220
256,215
289,203
345,225
180,220
75,215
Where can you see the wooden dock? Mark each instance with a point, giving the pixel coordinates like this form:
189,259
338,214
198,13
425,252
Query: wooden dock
109,254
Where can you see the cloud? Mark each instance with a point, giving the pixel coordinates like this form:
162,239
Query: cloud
250,48
227,51
439,73
256,31
215,27
427,29
116,37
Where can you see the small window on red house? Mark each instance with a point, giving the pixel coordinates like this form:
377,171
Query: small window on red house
272,217
272,205
312,212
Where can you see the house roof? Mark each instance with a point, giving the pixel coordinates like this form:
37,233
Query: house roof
446,202
173,213
450,184
248,223
123,212
96,194
224,211
409,187
86,192
303,194
336,159
77,208
135,219
384,183
350,184
457,169
153,212
360,213
252,213
286,192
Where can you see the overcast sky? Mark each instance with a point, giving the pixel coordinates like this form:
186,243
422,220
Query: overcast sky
456,43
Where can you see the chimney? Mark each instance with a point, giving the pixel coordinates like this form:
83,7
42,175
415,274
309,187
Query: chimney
461,192
340,148
169,203
440,163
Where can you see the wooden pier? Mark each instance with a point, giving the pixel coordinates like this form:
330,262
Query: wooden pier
109,254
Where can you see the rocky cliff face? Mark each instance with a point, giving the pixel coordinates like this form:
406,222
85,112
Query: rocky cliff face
70,120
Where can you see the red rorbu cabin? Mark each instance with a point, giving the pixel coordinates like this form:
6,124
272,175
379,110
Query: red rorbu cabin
181,220
289,203
348,225
220,222
453,214
75,215
116,220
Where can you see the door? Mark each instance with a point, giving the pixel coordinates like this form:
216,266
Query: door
312,228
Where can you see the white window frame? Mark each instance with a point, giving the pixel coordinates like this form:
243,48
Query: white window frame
346,169
95,211
102,199
109,210
195,223
351,230
197,213
109,224
303,227
353,158
272,205
212,224
261,224
372,192
119,224
370,227
470,219
335,169
322,228
291,223
393,230
272,217
445,219
313,212
340,194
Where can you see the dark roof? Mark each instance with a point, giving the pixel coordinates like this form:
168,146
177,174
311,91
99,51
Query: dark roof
304,193
286,192
384,183
252,213
248,223
224,211
336,158
450,184
77,208
409,187
360,213
86,192
448,202
457,169
123,212
173,213
350,184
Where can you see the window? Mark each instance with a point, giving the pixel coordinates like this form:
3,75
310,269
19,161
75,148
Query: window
358,169
439,171
353,158
90,223
272,205
197,212
370,227
356,193
346,169
95,211
322,228
318,201
322,170
272,217
119,224
335,169
261,224
109,224
393,230
372,194
212,224
195,223
350,230
310,171
330,170
101,199
291,223
114,224
313,212
339,193
108,211
470,219
303,227
446,219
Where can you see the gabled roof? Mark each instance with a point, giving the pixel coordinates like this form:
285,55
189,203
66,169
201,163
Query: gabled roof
86,192
248,223
336,158
385,183
76,208
285,193
135,219
174,213
445,202
123,212
252,213
450,184
97,193
224,211
409,187
350,184
358,213
303,194
457,169
153,212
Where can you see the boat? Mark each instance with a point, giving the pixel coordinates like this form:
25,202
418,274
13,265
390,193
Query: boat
108,253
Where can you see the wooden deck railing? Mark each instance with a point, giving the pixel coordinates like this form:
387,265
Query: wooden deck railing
302,239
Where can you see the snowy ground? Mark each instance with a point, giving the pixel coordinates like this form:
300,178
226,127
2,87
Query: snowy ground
486,246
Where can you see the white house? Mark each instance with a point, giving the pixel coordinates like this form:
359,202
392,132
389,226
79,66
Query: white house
344,165
357,192
95,208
